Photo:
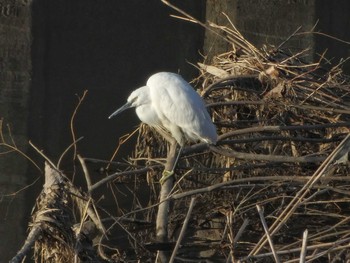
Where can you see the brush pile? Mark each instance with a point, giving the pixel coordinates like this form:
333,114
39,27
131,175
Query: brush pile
276,185
275,188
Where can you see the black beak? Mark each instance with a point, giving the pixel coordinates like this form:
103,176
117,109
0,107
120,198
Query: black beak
121,109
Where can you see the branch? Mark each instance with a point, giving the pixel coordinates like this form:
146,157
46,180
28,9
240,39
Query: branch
53,219
266,229
296,201
116,175
282,128
164,202
183,229
265,157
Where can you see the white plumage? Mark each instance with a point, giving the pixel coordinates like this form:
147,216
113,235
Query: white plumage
169,102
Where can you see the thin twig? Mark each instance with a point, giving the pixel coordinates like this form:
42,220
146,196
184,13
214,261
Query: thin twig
113,176
73,144
80,100
241,231
183,229
121,141
192,19
282,128
43,155
288,38
303,247
329,246
86,172
266,229
292,206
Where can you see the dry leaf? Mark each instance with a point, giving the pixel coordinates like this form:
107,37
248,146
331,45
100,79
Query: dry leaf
217,72
276,92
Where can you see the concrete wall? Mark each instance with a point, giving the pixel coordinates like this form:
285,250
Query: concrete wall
15,68
272,21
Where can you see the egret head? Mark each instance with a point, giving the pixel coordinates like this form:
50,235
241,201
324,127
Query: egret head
137,98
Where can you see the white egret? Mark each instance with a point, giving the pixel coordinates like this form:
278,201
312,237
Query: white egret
168,102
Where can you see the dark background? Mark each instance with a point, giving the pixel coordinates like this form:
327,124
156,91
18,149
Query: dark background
108,48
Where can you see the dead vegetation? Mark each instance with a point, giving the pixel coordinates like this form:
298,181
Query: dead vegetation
282,159
275,188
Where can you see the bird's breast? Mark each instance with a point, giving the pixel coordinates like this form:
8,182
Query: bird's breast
147,115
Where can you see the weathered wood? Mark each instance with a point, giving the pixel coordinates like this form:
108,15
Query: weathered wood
52,232
163,210
183,230
52,179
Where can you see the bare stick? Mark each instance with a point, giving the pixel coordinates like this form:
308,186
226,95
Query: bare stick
240,231
303,247
239,183
162,216
282,128
51,178
183,229
163,209
288,38
86,172
121,141
330,247
294,204
266,229
116,175
192,19
66,150
266,157
250,180
80,100
33,235
15,149
43,155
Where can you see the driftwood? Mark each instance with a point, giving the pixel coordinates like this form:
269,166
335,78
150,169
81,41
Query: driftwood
52,231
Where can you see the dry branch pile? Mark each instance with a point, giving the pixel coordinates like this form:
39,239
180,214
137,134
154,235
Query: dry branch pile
280,120
53,232
275,188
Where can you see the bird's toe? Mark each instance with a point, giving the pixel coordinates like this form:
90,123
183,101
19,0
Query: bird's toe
165,176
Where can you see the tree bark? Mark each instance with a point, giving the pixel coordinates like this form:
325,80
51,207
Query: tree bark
163,210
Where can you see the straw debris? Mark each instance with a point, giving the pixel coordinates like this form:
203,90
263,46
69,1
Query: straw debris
281,120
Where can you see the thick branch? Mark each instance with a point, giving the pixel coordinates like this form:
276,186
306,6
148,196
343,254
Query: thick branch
163,211
53,219
52,178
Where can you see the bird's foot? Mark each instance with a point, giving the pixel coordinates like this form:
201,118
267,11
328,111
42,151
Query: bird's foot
165,176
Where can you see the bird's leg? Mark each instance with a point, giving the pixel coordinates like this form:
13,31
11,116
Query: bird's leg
166,173
165,134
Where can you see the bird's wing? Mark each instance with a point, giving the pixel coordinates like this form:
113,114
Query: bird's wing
181,105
